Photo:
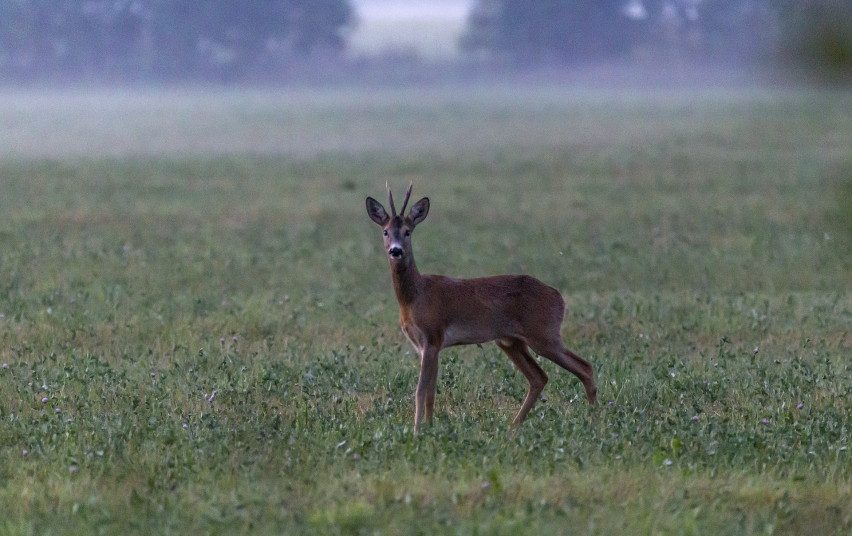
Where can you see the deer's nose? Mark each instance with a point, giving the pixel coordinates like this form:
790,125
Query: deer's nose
395,252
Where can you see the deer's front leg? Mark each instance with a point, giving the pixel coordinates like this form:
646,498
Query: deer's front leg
426,384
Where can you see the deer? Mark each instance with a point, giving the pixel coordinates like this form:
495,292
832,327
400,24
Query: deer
517,312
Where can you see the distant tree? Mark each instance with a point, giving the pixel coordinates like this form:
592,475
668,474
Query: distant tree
33,34
229,37
169,38
564,31
298,27
817,36
816,32
737,29
69,36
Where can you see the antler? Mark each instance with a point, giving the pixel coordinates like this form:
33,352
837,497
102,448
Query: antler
390,198
407,195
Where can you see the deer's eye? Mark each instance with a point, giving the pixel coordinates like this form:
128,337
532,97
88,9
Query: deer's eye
407,233
385,232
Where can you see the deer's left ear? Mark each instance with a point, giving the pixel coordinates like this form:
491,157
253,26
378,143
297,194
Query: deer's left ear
419,211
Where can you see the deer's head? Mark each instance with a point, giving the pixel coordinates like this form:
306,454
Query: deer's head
397,228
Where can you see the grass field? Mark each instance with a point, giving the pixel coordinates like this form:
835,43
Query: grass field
198,333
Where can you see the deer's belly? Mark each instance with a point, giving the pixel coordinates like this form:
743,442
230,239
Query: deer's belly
458,334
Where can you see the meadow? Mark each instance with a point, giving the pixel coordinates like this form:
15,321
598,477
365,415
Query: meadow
198,333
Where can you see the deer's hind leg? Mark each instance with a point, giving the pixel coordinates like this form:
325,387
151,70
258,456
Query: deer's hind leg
519,354
553,349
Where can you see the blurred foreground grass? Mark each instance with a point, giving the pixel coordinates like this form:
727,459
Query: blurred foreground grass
200,332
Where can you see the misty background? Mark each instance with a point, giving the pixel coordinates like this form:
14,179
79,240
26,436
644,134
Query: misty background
129,42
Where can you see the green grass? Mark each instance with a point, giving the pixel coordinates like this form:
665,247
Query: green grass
685,231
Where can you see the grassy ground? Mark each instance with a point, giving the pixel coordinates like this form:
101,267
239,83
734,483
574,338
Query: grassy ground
200,332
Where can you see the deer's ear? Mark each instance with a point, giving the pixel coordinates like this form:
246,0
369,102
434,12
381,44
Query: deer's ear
377,212
419,211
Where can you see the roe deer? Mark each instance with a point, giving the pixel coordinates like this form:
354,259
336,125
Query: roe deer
519,312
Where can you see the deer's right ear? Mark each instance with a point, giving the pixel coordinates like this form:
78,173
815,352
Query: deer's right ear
377,212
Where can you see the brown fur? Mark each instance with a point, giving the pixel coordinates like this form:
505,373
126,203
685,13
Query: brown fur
518,312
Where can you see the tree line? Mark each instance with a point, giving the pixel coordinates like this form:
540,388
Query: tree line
231,40
578,31
166,38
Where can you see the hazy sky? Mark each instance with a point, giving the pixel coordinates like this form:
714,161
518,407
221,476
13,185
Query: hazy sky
412,9
431,27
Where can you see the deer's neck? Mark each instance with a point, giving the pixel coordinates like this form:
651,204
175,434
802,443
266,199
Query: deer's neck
406,280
